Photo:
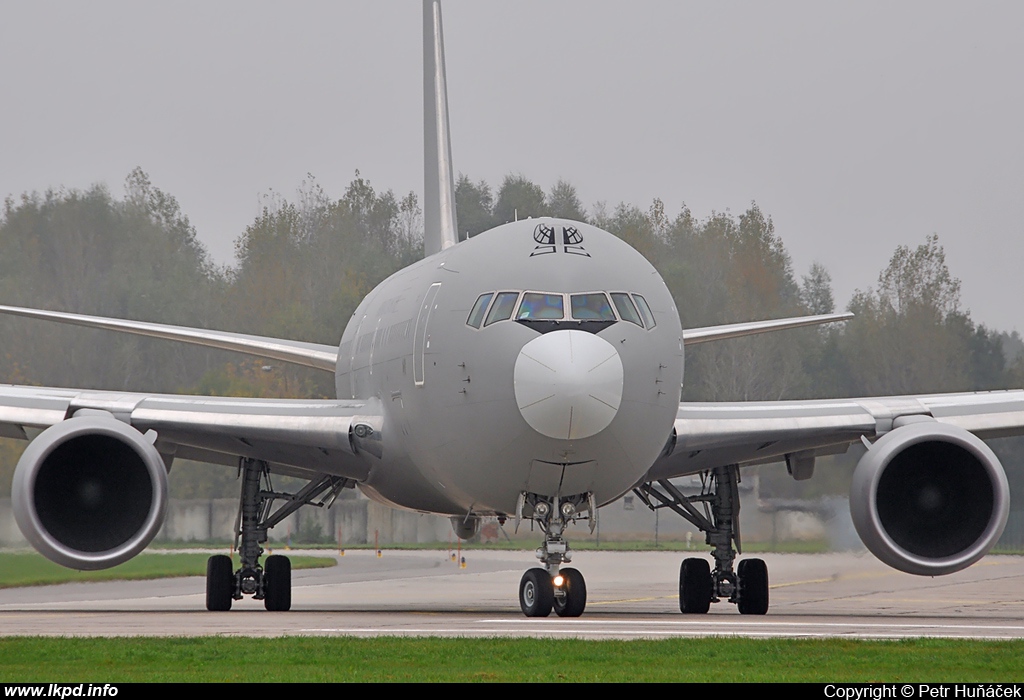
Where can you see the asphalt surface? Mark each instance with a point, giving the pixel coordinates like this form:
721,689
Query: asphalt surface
630,595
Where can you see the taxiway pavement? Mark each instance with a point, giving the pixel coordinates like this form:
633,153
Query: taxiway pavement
630,595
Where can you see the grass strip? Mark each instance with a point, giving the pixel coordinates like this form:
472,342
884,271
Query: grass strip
30,569
383,659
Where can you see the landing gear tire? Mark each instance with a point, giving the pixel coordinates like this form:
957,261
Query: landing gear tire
574,598
753,575
694,586
220,582
536,593
277,582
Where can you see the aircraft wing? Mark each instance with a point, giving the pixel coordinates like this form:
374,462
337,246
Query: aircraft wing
295,436
706,435
313,355
695,336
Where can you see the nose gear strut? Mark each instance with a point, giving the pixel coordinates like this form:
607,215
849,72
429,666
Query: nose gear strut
549,586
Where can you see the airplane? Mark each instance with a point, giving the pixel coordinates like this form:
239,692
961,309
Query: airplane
531,373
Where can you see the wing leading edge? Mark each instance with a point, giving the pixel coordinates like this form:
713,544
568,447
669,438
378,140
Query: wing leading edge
695,336
291,435
707,435
90,491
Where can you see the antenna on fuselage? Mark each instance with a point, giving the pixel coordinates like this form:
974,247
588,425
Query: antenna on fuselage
439,225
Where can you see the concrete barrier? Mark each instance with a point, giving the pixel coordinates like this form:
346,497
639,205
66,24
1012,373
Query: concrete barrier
356,520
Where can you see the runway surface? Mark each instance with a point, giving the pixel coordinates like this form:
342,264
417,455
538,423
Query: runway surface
630,595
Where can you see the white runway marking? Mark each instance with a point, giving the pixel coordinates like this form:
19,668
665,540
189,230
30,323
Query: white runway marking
767,621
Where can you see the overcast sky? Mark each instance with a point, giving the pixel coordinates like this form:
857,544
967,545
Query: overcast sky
857,127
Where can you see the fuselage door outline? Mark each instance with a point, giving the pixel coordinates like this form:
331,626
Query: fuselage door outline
420,341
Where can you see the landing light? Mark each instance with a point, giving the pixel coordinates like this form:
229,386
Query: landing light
568,509
558,580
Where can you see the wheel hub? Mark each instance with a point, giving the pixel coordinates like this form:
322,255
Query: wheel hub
530,593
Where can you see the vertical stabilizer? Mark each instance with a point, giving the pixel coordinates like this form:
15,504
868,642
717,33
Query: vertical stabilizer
440,229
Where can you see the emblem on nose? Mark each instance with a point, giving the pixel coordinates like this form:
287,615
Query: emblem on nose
568,384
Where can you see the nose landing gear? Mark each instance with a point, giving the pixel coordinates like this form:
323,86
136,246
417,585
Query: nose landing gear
549,587
539,593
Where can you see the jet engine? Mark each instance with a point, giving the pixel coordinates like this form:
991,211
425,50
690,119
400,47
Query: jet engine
90,492
929,498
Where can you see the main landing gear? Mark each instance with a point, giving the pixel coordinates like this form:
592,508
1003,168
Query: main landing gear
699,586
550,587
271,583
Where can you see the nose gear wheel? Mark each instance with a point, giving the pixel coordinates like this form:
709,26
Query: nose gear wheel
536,593
571,596
547,587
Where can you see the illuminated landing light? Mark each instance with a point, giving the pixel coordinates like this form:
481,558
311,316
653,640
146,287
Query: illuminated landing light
558,580
568,384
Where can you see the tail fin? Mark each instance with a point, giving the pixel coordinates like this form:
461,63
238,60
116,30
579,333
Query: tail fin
440,228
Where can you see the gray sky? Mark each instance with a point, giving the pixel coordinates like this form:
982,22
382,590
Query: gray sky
858,126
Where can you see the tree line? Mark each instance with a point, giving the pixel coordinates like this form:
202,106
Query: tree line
303,265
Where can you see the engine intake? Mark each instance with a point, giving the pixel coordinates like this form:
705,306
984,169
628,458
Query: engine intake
929,498
90,492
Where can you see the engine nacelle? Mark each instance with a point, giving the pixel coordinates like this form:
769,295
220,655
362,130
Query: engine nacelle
90,492
929,498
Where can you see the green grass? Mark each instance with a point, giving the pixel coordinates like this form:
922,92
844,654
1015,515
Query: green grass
1007,549
30,569
321,659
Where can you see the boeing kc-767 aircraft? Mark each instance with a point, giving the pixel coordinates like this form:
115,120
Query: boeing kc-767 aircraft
531,373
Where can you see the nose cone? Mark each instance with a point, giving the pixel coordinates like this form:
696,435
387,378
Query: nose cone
568,384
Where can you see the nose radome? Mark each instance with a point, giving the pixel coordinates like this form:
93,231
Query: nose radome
568,384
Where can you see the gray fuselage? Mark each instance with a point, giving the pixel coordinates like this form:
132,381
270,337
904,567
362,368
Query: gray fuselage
467,418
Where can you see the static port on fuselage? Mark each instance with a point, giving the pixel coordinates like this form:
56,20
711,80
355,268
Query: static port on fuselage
542,356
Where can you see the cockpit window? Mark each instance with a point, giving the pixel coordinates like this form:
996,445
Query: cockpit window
476,316
592,307
502,308
645,311
627,312
538,306
545,311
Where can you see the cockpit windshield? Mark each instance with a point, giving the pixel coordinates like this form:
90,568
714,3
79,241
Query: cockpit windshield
645,311
626,309
592,307
541,306
502,307
476,316
588,310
